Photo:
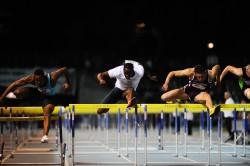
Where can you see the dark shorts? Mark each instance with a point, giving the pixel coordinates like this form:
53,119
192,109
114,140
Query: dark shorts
38,99
113,96
191,92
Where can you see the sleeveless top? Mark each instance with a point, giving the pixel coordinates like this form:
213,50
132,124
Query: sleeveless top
201,86
48,89
244,81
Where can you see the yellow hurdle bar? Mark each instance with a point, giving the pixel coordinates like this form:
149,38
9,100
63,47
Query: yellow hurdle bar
238,107
27,110
151,108
92,108
15,119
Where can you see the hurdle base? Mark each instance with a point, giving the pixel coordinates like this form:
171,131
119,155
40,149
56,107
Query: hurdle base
243,155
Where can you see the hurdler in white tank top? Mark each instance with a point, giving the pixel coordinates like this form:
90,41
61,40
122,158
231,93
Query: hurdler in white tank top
123,83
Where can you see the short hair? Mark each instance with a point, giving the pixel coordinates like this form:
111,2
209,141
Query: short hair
199,69
228,93
129,66
39,72
248,66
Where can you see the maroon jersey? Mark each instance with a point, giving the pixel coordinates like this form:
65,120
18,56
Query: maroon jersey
194,87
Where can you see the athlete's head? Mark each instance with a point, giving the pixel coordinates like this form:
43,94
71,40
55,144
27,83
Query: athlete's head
39,78
248,69
227,94
128,70
200,72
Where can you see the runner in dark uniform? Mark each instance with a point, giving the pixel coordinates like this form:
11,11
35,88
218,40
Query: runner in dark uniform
38,88
244,77
194,87
197,90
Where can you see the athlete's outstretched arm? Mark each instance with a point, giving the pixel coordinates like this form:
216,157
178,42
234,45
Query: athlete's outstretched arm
234,70
61,72
16,84
152,77
215,73
178,73
101,77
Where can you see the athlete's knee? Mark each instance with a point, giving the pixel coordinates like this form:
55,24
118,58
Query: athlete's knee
17,92
20,93
166,97
205,95
129,91
247,93
46,113
163,97
48,109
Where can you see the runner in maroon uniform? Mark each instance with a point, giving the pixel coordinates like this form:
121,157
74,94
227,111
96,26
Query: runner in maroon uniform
201,82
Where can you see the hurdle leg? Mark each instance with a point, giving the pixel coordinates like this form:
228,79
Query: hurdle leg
202,130
22,129
69,132
136,135
119,132
1,151
16,133
2,126
211,131
219,134
99,123
145,134
61,136
244,126
73,134
161,125
57,130
29,130
169,124
221,119
126,121
107,128
208,133
235,136
160,135
68,129
1,114
185,132
11,131
181,125
176,134
2,140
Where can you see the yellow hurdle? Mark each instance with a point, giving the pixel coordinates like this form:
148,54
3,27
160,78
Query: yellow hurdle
151,108
15,119
27,110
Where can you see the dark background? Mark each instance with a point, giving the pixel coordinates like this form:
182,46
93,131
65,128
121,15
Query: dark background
42,32
97,35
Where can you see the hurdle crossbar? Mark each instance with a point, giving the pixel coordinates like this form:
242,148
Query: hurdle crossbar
27,110
153,108
15,119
